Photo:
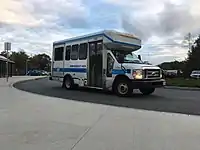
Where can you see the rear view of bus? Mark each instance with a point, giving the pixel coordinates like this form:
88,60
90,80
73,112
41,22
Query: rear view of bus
104,60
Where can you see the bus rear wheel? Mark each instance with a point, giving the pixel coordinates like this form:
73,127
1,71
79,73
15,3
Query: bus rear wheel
147,91
123,88
68,83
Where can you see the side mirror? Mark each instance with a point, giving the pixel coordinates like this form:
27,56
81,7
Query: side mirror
139,57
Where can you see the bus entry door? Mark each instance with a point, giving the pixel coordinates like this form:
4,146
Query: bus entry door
95,64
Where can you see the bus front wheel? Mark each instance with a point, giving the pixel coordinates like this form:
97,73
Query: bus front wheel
123,88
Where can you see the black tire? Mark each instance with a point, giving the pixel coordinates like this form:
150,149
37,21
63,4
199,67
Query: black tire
68,83
147,91
50,78
122,88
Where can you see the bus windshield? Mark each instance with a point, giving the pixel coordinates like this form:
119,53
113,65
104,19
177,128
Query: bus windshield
128,56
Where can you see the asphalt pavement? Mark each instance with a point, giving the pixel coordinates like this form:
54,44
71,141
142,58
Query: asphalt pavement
163,100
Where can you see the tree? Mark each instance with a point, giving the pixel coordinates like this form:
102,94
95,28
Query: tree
193,60
175,65
40,62
20,59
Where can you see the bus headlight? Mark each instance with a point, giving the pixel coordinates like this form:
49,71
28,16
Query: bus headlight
138,74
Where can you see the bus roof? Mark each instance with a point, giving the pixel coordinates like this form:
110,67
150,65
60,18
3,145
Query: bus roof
105,33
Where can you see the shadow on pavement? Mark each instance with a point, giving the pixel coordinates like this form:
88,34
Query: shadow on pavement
152,102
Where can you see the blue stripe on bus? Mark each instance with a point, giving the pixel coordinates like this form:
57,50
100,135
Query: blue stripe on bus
84,70
116,72
79,70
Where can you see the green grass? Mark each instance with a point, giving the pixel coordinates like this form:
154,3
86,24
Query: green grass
183,82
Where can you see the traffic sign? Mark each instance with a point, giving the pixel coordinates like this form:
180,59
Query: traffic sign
7,46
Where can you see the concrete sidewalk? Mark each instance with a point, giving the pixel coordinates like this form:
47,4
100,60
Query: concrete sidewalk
30,122
14,79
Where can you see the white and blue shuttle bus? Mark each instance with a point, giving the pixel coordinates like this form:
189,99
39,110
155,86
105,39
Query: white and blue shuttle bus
104,60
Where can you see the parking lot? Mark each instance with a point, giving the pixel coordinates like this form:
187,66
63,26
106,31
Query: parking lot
163,100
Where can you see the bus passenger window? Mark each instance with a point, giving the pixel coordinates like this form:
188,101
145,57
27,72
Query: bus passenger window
74,52
58,54
67,53
83,51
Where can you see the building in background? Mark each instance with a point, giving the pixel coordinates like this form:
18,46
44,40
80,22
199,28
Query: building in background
11,68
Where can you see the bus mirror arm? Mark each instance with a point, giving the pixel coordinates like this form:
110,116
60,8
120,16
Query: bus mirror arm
139,57
123,68
121,60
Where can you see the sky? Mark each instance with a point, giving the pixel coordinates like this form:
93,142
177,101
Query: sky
32,25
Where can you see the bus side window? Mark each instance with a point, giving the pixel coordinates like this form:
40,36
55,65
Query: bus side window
83,51
110,63
58,54
99,47
74,52
92,49
67,53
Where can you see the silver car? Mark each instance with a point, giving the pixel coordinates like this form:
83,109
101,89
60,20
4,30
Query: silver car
195,74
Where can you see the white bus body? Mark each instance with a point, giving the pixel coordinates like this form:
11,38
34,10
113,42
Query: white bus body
104,60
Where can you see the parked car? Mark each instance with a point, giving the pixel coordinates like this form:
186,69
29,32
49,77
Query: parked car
195,74
37,73
34,73
44,73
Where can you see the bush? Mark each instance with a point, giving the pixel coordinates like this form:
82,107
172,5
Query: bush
182,82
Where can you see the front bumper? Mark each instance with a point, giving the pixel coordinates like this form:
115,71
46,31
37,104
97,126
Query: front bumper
148,83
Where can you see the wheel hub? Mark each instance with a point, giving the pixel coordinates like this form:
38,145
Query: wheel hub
67,83
123,88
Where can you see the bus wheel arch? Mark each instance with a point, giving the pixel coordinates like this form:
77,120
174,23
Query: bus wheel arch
68,82
122,86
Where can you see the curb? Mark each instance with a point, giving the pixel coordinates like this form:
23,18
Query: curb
182,88
23,81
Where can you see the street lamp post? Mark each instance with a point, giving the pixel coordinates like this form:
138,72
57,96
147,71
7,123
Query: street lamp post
7,47
27,66
7,66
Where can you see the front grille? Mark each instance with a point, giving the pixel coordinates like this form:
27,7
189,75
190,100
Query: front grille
152,73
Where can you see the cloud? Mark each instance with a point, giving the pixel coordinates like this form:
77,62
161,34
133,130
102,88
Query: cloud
67,13
167,20
132,25
172,19
39,12
32,40
34,24
177,19
161,24
17,12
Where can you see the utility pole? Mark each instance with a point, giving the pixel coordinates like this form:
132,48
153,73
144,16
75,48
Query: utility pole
188,38
27,66
7,47
189,41
7,66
